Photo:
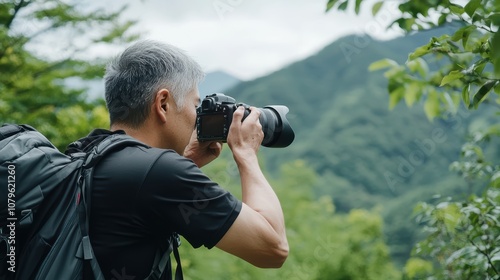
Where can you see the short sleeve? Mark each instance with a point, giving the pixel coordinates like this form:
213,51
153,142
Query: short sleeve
178,197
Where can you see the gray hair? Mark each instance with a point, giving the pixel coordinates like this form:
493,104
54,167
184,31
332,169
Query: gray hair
133,78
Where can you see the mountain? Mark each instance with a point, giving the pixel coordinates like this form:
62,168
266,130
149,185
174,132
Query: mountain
217,81
365,155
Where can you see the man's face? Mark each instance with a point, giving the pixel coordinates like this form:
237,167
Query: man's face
184,120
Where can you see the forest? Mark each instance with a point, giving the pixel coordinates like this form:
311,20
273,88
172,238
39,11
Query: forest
394,172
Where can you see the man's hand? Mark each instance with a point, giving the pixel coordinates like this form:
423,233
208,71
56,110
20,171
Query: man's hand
245,137
202,153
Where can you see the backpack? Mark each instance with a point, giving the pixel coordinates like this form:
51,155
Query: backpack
45,207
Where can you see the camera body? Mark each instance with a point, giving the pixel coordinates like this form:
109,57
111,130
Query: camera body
215,114
214,117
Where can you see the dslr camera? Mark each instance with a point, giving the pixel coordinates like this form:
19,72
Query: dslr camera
215,114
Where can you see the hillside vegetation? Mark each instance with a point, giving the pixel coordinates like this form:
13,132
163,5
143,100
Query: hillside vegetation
366,155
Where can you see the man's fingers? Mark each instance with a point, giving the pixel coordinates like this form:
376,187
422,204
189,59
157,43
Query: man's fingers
254,114
238,116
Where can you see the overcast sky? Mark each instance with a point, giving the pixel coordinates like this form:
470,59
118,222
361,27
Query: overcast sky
251,38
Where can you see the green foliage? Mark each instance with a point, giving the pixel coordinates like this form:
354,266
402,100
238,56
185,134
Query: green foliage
462,237
467,54
416,268
34,88
364,155
323,244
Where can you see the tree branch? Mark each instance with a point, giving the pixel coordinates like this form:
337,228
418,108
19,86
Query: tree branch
486,255
17,7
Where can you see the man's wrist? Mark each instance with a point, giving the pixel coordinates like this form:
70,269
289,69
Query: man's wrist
245,158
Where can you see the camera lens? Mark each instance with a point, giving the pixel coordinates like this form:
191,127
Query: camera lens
216,111
277,130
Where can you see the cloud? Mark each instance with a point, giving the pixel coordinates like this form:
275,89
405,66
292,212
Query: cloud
247,38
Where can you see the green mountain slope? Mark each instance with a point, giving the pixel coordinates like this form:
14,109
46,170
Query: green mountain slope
343,126
366,155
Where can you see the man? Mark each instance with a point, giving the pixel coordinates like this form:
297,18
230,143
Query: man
141,195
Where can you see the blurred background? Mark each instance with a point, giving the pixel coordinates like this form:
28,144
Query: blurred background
394,169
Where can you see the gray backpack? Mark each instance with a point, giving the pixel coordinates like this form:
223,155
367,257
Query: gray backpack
45,206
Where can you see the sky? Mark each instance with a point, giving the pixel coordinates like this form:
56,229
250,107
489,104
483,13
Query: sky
245,38
251,38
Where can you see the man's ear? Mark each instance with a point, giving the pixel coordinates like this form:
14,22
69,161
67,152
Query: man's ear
161,104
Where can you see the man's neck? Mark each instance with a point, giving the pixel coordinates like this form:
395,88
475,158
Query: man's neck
143,134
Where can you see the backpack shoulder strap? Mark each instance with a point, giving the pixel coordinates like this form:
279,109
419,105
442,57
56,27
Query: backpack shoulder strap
106,146
8,129
163,257
110,143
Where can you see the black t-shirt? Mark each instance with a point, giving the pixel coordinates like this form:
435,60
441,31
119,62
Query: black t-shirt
140,196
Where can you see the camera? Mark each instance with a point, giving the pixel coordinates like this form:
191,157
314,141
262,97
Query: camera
215,114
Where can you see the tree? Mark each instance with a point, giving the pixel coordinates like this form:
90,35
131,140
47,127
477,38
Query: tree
34,85
323,244
452,72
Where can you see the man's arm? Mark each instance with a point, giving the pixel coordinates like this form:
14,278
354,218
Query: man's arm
258,233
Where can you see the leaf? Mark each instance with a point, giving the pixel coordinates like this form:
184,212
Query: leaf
466,34
456,9
420,51
478,67
357,6
442,19
330,4
395,96
405,23
463,34
376,7
409,23
343,6
457,36
431,105
472,6
495,53
412,94
393,73
381,64
482,92
466,95
452,76
494,18
419,65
